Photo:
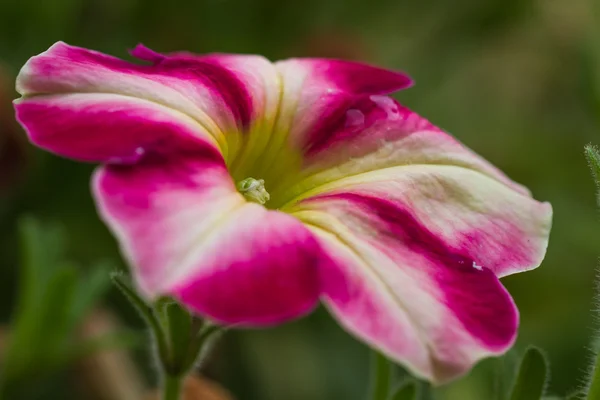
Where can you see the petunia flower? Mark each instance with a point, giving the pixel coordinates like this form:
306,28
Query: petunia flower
250,191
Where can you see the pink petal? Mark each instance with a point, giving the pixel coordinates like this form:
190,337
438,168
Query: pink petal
405,290
313,93
221,96
187,233
260,268
376,133
111,128
451,190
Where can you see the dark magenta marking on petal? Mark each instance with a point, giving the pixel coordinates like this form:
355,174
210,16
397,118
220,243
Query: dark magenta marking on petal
135,184
203,70
273,281
473,293
146,54
504,252
216,77
346,117
359,78
114,133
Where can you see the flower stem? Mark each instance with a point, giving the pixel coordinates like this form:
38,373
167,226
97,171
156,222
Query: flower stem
180,338
172,386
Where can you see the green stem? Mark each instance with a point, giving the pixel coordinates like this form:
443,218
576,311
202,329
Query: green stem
380,377
180,338
172,386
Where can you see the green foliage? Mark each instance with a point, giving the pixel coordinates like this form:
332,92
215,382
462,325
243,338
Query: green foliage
532,377
54,296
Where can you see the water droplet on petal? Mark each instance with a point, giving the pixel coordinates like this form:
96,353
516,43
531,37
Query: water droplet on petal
387,105
355,118
128,159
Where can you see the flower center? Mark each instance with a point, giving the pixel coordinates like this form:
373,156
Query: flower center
254,190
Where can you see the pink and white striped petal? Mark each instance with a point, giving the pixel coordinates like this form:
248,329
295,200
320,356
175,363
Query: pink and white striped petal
315,94
111,128
418,250
224,94
188,233
374,133
316,90
260,268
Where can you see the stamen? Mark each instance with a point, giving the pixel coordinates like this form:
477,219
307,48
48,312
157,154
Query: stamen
254,190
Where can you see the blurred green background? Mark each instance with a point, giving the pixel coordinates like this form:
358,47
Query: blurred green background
516,80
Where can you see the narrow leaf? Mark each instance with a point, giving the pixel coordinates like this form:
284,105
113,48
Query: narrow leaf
40,251
531,379
91,288
54,313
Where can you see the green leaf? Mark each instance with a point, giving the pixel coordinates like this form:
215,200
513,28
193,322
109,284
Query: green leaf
52,298
55,314
91,288
593,157
41,249
407,391
531,379
380,377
